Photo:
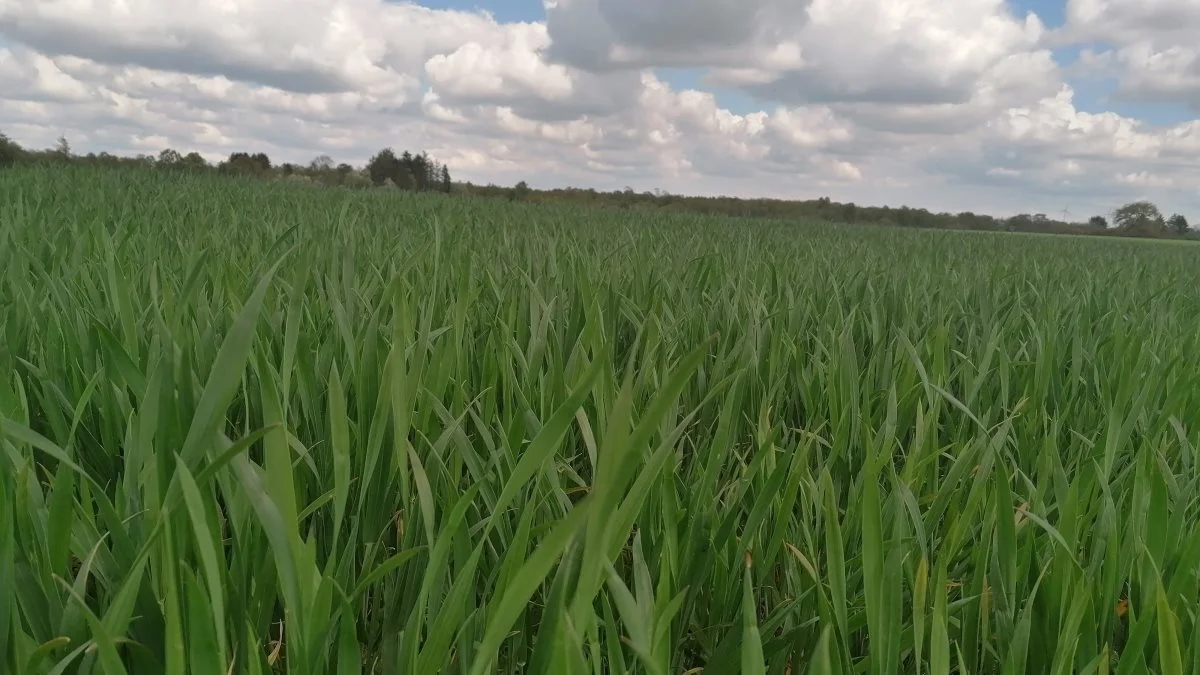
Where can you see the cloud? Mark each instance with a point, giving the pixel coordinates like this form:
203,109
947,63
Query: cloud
1117,21
947,105
879,51
1148,45
1051,150
512,71
33,77
613,34
303,46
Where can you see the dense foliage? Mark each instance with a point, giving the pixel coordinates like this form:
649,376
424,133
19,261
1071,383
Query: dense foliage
407,171
252,427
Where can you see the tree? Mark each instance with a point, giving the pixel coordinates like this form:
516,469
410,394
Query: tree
1022,222
446,184
519,193
404,179
1142,217
335,175
169,158
245,163
420,170
1098,222
382,166
433,174
1178,224
193,161
850,213
62,147
10,152
321,163
357,178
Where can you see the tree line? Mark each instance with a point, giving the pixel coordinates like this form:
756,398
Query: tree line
1139,218
419,172
406,171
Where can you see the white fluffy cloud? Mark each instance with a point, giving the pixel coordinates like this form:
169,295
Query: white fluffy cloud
948,105
1117,20
894,51
1149,45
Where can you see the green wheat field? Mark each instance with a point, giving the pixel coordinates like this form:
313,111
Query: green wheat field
263,428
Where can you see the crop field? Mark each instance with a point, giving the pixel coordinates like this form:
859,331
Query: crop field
252,427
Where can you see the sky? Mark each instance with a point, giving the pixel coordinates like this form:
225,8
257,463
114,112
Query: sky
992,106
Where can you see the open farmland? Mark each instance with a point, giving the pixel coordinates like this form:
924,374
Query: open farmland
255,428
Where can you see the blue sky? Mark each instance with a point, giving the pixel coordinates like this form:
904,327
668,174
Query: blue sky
1094,94
486,97
1097,94
504,10
679,78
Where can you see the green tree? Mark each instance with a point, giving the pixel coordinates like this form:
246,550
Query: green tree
404,179
1142,217
193,161
850,212
420,170
446,184
10,151
382,166
261,161
1022,222
1178,224
247,164
62,148
519,193
1098,222
169,158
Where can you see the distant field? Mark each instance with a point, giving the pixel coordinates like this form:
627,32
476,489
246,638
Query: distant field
254,428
